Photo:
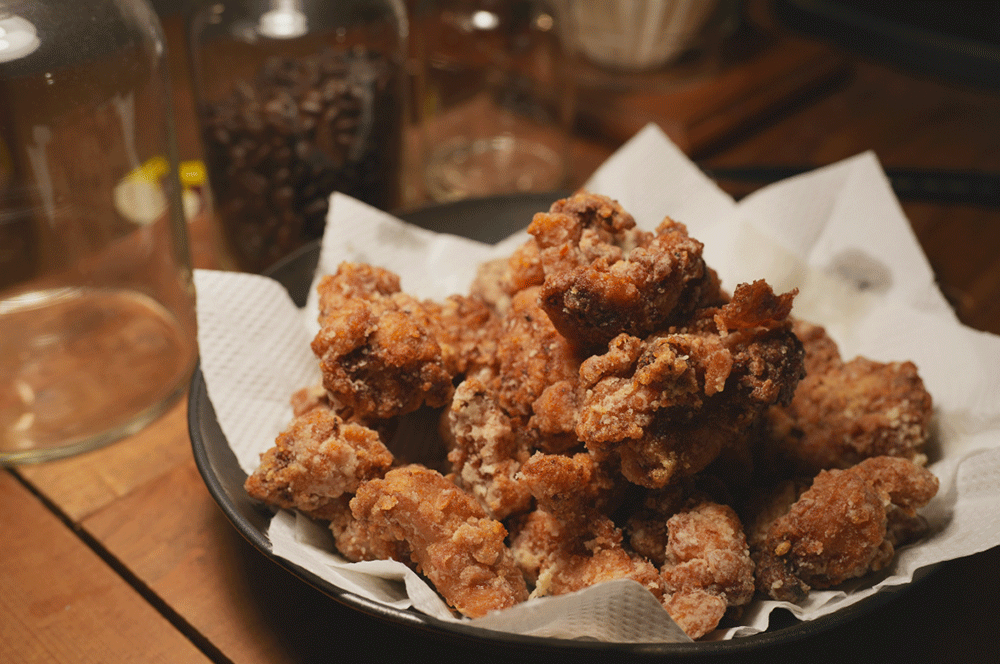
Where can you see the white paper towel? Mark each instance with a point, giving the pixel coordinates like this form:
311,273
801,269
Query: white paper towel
837,233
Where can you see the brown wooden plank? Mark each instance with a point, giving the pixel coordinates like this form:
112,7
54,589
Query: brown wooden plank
907,121
185,550
59,602
173,537
962,244
82,484
706,110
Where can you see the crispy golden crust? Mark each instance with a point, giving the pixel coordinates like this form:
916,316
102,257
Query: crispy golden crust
352,281
669,405
314,461
646,527
572,487
601,276
531,355
352,539
491,426
450,538
377,354
844,412
307,398
523,270
840,528
465,329
553,418
485,451
383,353
647,512
708,568
577,231
656,284
568,543
821,351
488,285
559,557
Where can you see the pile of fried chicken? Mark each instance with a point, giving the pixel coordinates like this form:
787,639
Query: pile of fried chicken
608,412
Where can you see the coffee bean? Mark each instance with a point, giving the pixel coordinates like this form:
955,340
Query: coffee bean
251,182
278,145
317,206
283,197
312,102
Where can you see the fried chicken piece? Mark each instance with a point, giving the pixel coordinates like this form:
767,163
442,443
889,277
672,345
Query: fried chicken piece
466,329
316,396
491,426
657,283
844,412
352,539
531,355
846,524
575,232
383,353
488,285
572,487
315,466
708,569
450,538
485,451
558,557
646,527
309,398
669,405
568,543
377,355
461,325
700,547
353,281
822,352
601,276
646,515
317,459
553,419
522,270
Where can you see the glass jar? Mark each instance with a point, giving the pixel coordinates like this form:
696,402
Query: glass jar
97,321
496,97
297,99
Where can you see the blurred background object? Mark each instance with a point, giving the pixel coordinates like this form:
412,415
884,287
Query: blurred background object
495,97
296,100
639,35
957,40
96,301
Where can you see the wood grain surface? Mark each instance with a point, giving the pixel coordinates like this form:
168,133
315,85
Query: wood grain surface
61,602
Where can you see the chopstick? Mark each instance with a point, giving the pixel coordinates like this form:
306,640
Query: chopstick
965,187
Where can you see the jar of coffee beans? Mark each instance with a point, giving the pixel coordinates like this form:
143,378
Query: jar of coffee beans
296,99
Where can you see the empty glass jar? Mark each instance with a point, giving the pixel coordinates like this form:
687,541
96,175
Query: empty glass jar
296,100
97,323
495,96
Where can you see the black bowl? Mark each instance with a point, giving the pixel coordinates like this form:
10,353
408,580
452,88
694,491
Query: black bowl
488,220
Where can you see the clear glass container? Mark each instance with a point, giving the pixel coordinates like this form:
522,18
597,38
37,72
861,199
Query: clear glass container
297,99
97,321
496,96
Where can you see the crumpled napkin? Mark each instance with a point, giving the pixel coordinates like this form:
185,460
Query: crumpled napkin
837,234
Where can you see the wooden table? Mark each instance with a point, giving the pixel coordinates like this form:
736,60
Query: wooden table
121,554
